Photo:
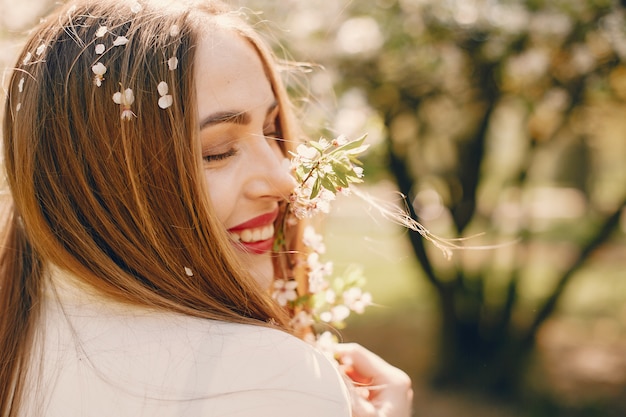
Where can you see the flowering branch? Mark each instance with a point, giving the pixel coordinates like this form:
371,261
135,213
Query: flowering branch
322,169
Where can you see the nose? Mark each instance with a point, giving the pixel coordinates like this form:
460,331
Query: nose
270,175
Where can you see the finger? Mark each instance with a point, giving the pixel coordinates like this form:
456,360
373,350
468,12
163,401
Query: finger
361,361
356,376
361,407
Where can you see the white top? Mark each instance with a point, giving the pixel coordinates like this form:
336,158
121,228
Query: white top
102,359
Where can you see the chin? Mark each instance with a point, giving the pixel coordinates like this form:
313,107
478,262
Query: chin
263,273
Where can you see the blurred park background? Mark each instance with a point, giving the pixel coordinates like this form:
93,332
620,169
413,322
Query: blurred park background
500,121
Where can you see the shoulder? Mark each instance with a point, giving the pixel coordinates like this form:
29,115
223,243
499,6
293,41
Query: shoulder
277,374
134,361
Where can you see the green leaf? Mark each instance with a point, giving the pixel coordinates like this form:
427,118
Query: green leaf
315,190
355,144
329,184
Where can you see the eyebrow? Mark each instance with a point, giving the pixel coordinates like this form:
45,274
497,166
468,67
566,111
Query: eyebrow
231,116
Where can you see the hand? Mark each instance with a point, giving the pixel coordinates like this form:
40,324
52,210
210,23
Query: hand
379,389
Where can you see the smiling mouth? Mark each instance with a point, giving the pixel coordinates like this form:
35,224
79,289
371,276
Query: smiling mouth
253,235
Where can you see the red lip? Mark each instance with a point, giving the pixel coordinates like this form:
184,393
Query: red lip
259,221
258,248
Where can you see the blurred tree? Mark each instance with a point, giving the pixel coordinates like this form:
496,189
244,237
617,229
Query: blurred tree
486,104
502,117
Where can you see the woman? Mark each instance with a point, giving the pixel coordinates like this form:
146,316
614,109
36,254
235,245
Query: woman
144,146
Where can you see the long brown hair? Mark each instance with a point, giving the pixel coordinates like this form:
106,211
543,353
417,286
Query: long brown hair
118,201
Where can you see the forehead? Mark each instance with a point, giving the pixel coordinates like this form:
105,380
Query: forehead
229,74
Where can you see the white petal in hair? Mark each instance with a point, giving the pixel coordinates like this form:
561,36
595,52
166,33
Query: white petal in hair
162,88
135,7
99,69
120,41
102,30
125,99
165,101
172,63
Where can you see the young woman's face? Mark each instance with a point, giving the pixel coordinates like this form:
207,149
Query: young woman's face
244,165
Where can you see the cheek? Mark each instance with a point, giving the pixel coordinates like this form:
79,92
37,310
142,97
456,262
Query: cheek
222,193
275,145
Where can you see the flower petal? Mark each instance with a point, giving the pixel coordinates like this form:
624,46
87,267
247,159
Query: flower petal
120,41
99,68
162,88
102,30
129,97
172,63
99,49
135,7
165,101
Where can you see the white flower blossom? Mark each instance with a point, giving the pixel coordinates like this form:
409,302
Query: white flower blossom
27,58
357,300
165,100
307,152
318,272
313,240
285,291
174,30
99,69
340,140
100,49
125,100
330,296
303,206
323,201
40,49
302,320
188,271
336,314
20,85
326,343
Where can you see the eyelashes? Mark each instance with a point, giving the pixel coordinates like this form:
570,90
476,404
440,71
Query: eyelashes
229,148
220,156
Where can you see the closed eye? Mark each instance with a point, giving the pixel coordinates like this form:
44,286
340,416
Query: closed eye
220,156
